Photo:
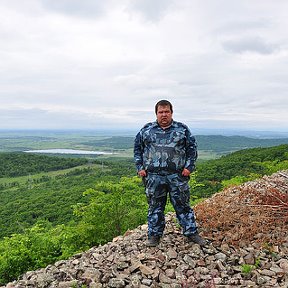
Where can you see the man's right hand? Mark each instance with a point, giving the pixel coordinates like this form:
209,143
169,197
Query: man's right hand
142,173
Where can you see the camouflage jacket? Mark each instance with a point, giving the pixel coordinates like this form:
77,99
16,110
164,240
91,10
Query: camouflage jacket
165,150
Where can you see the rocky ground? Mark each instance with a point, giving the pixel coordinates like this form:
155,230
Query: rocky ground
248,247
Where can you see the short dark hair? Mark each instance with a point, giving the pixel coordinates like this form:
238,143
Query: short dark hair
163,103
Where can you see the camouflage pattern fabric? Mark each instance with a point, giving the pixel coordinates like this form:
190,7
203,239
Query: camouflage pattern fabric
172,149
163,154
157,189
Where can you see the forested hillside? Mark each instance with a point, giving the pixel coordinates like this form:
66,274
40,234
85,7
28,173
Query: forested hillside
50,216
239,167
50,196
20,164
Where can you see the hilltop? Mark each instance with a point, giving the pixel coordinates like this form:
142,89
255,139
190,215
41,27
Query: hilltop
246,226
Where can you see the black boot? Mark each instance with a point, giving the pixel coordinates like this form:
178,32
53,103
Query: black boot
153,241
196,238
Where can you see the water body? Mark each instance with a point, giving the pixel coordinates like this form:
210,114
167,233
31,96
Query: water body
68,151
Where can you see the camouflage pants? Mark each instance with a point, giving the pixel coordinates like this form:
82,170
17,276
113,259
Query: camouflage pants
157,189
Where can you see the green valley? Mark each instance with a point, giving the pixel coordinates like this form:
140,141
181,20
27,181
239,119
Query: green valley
53,206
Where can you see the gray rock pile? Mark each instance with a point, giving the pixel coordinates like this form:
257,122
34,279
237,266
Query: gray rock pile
127,262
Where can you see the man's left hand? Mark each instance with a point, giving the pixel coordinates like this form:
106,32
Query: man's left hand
185,172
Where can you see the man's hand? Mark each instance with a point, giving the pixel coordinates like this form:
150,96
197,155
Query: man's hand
142,173
185,172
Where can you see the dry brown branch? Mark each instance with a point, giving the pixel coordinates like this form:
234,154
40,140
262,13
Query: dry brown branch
275,207
253,212
283,174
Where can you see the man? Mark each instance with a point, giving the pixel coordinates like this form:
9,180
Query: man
165,153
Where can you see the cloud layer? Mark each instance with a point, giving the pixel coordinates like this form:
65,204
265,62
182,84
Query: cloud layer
100,64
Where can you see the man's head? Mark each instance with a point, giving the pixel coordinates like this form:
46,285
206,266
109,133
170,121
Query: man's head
164,112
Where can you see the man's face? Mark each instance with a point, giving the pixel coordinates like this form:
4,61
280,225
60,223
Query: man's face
164,115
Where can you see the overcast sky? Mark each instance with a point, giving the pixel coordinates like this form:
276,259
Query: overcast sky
94,64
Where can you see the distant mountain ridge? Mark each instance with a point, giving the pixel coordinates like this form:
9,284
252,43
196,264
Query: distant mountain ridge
219,143
19,141
215,143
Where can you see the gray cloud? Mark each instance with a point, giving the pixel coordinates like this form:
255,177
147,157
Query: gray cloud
247,26
251,44
84,8
151,10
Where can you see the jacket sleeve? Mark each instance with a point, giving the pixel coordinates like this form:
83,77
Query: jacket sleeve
191,151
138,152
